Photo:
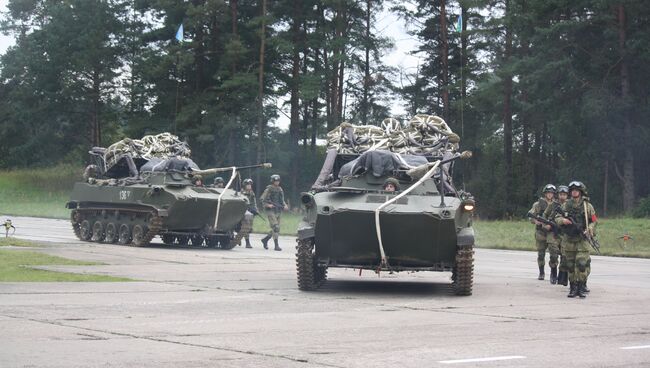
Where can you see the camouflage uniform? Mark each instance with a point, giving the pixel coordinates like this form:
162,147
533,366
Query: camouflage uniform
549,213
575,245
273,195
246,225
545,239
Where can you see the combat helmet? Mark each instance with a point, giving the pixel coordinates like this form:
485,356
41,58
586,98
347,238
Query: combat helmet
275,177
549,188
563,189
579,186
248,181
393,181
218,180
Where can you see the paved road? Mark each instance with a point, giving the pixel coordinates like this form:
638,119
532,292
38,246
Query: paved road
241,308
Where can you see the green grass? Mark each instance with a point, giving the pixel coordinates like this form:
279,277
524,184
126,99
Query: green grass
288,224
520,235
37,192
15,266
15,242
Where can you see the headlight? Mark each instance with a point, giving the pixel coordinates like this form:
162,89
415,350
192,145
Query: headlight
468,205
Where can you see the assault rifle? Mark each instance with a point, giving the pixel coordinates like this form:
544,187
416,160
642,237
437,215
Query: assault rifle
255,212
582,231
278,207
554,228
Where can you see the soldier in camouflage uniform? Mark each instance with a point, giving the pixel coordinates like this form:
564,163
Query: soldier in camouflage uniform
246,224
544,237
273,202
549,213
218,182
577,217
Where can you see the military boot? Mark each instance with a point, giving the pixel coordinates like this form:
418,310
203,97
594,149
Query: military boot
579,290
553,275
265,241
585,289
248,243
277,247
563,278
541,273
573,291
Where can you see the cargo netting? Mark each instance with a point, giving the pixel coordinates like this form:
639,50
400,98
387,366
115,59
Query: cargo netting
426,135
162,146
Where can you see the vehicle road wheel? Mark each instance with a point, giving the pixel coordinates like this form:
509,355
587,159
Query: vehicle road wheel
196,240
212,241
124,236
182,239
463,277
110,235
167,239
310,276
98,232
85,230
226,242
139,233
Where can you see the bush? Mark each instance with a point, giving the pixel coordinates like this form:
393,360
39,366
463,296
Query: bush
642,209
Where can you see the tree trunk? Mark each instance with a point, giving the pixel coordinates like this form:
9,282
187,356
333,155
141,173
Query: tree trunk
294,125
366,75
261,124
507,108
628,160
444,54
96,102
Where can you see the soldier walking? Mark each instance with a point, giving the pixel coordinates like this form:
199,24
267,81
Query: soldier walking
577,218
246,225
273,202
544,237
549,213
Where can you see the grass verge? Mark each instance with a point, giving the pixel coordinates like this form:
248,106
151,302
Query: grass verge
15,242
37,192
16,265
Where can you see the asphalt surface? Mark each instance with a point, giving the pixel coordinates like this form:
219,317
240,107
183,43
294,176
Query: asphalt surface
241,308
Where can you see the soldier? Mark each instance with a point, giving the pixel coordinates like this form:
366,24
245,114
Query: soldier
197,180
273,202
578,217
391,185
218,182
544,238
549,213
247,222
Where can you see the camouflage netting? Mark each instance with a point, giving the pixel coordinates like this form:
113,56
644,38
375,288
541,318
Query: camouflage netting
423,135
163,146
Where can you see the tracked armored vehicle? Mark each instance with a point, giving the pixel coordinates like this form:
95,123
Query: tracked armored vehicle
136,199
352,221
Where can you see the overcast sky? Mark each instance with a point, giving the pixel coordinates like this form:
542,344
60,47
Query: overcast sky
388,25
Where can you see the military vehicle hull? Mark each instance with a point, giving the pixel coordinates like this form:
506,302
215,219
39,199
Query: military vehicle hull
134,214
420,229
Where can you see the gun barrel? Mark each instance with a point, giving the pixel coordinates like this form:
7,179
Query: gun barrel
266,165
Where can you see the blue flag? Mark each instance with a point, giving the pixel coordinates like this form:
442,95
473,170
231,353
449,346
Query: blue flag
459,25
179,33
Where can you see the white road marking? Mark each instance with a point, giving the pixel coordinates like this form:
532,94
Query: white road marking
476,360
636,347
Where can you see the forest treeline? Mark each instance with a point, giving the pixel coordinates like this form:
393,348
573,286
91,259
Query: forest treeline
542,91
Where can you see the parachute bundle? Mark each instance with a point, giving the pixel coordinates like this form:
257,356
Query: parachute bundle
427,135
163,146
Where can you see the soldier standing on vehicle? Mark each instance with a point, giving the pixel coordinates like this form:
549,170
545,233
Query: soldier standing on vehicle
273,202
549,213
246,225
544,237
218,182
577,218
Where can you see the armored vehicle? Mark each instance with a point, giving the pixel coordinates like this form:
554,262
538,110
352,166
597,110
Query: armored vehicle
134,199
354,219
